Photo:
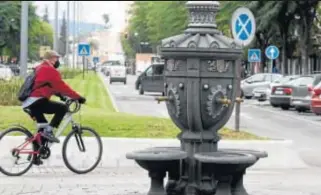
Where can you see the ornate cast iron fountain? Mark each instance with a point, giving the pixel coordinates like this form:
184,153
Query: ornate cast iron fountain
200,89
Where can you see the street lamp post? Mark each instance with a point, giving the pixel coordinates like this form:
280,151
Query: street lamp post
56,27
67,35
24,38
74,35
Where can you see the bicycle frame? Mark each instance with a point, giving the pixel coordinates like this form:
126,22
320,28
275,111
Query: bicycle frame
68,119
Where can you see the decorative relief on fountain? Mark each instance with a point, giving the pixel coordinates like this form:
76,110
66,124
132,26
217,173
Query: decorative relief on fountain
174,105
218,66
215,109
174,65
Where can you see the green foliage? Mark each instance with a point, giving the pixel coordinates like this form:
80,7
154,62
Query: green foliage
9,91
153,21
68,73
40,32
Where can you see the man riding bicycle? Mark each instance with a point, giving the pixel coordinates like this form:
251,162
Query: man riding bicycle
48,82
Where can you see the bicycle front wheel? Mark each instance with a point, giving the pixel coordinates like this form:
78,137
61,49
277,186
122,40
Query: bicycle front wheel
83,149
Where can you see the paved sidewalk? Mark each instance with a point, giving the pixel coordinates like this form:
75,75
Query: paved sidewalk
131,181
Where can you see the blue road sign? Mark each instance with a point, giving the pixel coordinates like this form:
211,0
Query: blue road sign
243,26
272,52
254,55
96,60
84,49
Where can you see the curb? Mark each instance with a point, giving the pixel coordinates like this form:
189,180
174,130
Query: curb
113,101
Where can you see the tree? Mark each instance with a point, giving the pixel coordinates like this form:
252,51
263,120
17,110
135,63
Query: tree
46,15
306,11
63,36
10,33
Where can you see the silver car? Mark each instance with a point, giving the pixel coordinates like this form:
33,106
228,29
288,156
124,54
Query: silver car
260,80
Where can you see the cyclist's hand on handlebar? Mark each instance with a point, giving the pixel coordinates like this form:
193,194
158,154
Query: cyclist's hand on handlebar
82,100
61,97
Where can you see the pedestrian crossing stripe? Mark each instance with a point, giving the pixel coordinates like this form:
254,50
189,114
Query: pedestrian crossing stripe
254,57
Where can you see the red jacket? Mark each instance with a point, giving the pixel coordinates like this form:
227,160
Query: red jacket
45,73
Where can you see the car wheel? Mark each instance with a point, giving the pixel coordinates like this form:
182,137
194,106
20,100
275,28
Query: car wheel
300,109
141,90
110,82
273,105
285,107
248,97
163,93
125,82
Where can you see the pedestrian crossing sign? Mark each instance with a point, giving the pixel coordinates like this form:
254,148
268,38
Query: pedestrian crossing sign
84,49
254,55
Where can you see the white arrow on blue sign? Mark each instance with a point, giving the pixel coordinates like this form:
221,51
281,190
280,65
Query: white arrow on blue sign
254,55
84,49
272,52
243,26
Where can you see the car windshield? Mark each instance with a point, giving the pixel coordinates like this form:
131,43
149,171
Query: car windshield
113,63
285,79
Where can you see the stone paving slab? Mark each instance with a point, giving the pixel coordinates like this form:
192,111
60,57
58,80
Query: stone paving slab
133,181
281,153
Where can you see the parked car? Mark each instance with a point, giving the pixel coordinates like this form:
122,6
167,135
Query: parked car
5,73
260,80
281,95
302,93
15,69
263,94
316,99
117,73
151,80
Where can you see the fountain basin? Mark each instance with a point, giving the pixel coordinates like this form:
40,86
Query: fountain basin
157,163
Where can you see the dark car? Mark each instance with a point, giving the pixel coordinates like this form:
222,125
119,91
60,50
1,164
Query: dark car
302,93
151,80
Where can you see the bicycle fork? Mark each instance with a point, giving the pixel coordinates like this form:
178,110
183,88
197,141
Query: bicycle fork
78,136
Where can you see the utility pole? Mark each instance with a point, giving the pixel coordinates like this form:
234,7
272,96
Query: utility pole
56,26
74,35
67,36
24,38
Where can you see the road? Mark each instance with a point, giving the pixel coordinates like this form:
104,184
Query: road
261,119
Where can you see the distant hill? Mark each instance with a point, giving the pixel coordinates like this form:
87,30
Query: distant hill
84,27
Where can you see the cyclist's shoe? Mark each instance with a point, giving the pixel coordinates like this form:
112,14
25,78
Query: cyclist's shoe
50,136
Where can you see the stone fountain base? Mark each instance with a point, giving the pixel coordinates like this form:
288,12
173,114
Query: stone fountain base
222,172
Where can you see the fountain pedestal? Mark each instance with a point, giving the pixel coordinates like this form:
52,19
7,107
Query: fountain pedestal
200,77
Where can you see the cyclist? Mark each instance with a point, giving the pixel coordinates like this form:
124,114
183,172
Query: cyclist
48,82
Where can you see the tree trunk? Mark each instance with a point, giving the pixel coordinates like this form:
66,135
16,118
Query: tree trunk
284,66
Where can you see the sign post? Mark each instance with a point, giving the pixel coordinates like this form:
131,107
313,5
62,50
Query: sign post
83,50
272,52
243,30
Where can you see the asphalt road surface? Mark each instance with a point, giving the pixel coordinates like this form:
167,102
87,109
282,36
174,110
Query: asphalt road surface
303,128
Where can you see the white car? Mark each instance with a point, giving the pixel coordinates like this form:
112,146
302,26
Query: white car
5,73
117,73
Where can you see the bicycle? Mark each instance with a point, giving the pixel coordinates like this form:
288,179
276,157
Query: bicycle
40,147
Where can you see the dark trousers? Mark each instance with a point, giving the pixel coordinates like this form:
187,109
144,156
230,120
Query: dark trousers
45,106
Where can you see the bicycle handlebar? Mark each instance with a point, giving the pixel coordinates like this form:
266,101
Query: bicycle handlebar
68,101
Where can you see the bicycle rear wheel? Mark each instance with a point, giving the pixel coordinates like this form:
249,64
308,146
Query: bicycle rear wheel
16,146
83,143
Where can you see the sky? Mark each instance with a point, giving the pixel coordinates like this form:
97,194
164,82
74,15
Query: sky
90,11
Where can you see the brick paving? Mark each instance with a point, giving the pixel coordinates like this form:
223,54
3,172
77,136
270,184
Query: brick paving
134,181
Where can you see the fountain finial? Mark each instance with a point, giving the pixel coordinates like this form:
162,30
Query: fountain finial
202,15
